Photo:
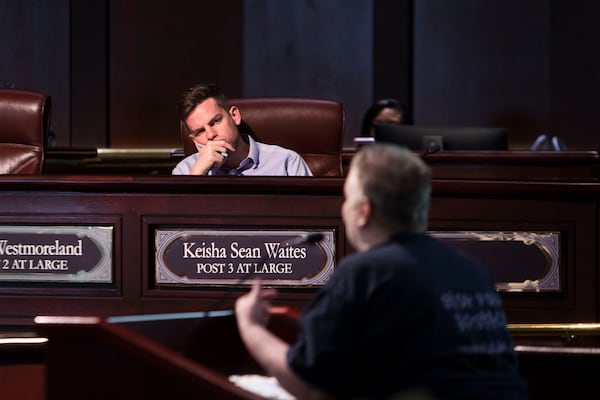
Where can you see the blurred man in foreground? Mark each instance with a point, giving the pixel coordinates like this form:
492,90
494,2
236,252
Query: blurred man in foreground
405,313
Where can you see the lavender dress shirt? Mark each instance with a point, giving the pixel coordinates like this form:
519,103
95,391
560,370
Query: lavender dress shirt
263,160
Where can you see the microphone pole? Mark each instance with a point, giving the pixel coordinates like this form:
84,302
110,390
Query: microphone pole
313,237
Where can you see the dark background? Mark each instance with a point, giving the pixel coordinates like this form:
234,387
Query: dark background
114,68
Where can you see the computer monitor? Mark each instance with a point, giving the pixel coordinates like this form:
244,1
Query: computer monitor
446,137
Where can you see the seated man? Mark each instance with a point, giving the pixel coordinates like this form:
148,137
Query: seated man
406,314
222,149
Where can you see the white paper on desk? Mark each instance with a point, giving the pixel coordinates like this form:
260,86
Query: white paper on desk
265,386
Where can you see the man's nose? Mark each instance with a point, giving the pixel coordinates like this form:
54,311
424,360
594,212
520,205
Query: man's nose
211,133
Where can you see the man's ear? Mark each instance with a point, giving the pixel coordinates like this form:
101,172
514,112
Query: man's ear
235,114
364,212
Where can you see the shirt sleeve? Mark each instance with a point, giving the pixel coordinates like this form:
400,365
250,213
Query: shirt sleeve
296,166
185,166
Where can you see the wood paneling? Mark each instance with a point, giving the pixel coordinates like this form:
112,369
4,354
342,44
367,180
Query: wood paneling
90,77
136,205
35,53
115,69
157,50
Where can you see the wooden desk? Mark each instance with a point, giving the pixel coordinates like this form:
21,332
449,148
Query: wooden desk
558,360
521,164
194,353
502,165
152,359
135,206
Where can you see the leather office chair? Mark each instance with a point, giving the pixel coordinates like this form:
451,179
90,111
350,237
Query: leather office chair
24,126
311,127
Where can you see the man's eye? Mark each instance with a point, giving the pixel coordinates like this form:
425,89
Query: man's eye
216,120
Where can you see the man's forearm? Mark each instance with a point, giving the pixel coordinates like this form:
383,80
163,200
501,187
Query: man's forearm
271,353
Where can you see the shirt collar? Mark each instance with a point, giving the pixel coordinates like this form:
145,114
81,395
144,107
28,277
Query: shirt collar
253,154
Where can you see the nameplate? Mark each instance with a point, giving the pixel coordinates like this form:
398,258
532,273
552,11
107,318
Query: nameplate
235,257
56,253
538,253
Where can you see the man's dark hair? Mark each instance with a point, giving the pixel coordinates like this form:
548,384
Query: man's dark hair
195,95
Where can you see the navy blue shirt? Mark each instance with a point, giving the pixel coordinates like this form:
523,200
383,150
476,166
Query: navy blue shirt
411,313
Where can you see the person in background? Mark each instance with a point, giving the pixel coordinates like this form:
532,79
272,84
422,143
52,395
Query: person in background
405,314
213,124
385,111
